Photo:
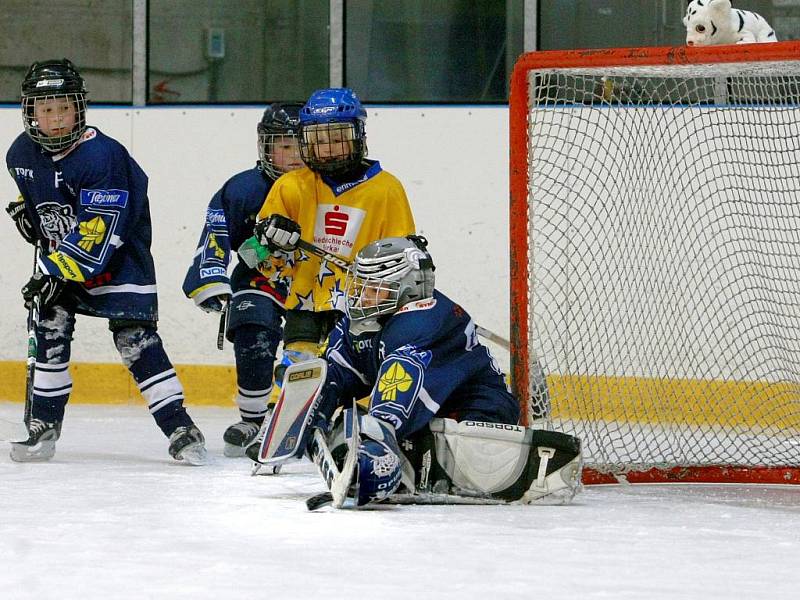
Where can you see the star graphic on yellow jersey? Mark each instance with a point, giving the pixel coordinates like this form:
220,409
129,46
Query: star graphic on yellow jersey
93,232
338,298
305,302
394,379
324,271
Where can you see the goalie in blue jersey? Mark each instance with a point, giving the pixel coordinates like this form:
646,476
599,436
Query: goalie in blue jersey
441,418
83,202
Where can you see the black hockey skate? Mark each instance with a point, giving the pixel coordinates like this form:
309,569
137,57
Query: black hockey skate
238,437
187,443
41,442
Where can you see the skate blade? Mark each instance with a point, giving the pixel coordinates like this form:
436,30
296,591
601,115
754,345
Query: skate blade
555,498
194,454
232,451
268,470
41,452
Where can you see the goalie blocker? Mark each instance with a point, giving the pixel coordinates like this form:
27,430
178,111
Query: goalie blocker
442,463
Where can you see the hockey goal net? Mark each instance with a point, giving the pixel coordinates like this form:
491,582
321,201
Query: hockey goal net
655,258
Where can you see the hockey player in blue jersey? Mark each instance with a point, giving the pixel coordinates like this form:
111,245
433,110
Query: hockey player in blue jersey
433,388
83,200
256,302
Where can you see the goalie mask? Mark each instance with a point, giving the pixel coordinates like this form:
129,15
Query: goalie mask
277,139
386,275
54,104
332,135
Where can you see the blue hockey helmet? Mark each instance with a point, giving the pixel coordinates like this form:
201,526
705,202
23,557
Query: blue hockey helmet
53,104
332,133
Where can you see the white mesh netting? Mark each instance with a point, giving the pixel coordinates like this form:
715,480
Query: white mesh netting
664,261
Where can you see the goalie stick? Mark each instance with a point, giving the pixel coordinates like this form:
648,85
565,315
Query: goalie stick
338,481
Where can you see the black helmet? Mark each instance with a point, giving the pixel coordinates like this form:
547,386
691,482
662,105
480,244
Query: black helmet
51,80
280,119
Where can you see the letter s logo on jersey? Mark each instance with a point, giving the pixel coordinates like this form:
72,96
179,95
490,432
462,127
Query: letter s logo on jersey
336,223
337,226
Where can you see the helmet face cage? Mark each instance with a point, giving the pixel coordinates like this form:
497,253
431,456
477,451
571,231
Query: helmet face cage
332,132
385,276
333,147
267,145
53,104
277,128
42,117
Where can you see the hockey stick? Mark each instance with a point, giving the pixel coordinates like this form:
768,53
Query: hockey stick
492,337
329,256
223,324
17,432
33,322
345,264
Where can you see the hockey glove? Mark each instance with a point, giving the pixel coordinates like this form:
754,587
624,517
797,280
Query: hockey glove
214,304
278,233
47,287
16,210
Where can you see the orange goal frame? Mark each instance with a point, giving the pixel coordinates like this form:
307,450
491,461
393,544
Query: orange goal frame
518,223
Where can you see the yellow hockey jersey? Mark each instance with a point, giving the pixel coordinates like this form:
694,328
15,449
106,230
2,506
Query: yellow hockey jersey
340,218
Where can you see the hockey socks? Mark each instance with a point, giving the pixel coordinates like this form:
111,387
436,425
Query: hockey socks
143,353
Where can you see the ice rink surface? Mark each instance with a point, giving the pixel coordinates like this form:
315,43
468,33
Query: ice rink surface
114,517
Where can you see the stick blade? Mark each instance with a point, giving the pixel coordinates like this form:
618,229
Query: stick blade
320,500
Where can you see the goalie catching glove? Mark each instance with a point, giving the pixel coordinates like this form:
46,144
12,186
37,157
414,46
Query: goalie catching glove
16,210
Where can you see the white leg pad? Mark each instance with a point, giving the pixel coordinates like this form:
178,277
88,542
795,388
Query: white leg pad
507,461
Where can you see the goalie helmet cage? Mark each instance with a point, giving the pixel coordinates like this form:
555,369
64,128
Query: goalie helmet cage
655,258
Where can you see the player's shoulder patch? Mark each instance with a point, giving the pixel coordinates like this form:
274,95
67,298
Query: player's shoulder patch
216,217
104,198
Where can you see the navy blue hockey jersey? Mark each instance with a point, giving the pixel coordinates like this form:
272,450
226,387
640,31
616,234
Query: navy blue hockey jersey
230,218
426,361
90,209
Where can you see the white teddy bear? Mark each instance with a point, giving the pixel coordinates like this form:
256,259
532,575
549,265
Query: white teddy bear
713,22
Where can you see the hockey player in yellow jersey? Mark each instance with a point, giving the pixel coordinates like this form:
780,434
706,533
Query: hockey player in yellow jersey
340,202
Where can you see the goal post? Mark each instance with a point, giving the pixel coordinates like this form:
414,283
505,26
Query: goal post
655,257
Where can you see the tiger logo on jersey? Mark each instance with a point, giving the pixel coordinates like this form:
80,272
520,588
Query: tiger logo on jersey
56,219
